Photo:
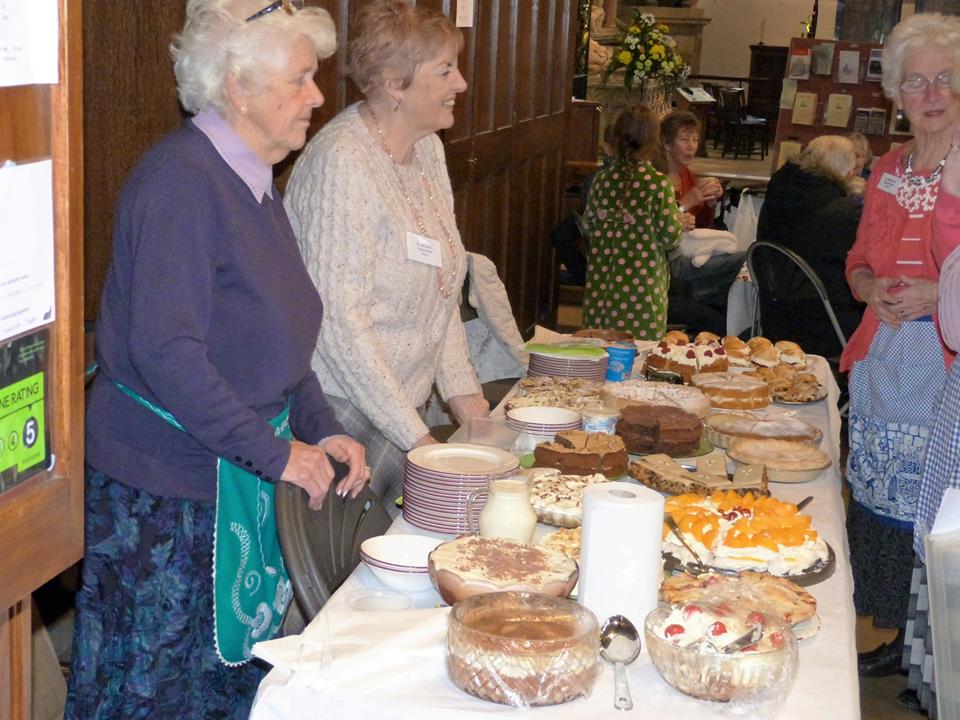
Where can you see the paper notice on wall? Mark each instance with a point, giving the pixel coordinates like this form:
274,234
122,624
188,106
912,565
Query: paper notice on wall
464,13
839,107
26,246
788,149
848,69
804,108
788,94
29,42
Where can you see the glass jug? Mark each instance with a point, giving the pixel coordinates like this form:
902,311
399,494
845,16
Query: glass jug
507,513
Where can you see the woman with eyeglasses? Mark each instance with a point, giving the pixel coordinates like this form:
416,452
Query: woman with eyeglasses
371,204
204,397
897,357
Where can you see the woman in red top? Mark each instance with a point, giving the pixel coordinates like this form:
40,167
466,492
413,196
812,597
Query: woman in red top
698,295
896,357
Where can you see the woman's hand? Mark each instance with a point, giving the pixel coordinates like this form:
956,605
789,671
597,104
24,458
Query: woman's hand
950,177
465,407
348,451
707,190
876,293
688,221
427,439
917,298
309,468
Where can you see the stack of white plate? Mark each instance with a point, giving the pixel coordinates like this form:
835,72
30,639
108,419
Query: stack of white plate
590,368
544,422
438,480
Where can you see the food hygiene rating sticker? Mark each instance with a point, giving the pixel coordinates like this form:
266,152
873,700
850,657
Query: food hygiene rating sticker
22,436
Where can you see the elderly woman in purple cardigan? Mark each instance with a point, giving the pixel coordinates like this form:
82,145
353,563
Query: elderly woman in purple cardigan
205,397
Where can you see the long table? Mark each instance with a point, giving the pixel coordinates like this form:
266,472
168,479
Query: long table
826,686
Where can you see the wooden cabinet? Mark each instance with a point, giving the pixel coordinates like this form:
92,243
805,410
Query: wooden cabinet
768,62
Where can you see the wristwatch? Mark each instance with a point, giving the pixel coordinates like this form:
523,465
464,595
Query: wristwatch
681,208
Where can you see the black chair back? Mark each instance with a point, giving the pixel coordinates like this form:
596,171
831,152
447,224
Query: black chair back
785,286
322,547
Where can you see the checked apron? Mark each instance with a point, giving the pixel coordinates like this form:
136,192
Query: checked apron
251,587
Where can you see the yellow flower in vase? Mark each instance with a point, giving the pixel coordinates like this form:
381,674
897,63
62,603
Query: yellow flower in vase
624,56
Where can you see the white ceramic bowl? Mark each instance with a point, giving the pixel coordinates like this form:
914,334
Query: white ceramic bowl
399,561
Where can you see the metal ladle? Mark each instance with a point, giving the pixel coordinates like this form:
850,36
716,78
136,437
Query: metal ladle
620,645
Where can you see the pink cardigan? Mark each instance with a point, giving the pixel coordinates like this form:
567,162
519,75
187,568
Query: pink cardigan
878,238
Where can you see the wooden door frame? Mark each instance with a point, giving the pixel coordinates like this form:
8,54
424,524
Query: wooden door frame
41,520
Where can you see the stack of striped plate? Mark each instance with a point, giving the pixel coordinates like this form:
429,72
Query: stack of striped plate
543,422
590,368
439,479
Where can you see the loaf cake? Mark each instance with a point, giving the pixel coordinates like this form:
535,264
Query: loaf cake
733,390
575,452
659,429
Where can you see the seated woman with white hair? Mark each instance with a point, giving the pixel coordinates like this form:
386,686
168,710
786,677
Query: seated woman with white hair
204,397
808,209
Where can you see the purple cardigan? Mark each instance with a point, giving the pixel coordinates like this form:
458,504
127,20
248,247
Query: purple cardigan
208,312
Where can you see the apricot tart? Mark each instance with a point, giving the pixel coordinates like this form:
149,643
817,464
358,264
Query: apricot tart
473,565
744,532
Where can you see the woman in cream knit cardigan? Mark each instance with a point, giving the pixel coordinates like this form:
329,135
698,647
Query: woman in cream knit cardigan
371,204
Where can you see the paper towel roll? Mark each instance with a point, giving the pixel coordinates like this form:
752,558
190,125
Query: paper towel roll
620,565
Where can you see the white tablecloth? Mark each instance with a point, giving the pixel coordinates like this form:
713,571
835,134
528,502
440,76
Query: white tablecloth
827,684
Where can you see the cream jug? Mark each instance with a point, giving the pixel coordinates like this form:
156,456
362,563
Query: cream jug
507,513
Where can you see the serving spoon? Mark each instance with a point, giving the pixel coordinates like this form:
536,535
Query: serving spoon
620,645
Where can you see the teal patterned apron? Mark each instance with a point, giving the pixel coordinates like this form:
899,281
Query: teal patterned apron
251,588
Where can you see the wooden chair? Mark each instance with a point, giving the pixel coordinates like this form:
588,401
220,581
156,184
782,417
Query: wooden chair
741,134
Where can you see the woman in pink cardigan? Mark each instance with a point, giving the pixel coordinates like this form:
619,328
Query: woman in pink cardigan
896,357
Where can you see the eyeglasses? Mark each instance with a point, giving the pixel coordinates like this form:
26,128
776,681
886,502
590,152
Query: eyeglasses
288,6
916,84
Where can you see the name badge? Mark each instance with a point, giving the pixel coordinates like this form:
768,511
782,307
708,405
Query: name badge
423,249
889,183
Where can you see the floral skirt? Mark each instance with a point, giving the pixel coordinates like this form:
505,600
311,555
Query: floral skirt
143,639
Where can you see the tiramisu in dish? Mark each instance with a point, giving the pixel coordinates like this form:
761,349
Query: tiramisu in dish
473,565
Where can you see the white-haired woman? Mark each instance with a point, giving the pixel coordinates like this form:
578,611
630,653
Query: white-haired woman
371,204
897,357
809,210
207,324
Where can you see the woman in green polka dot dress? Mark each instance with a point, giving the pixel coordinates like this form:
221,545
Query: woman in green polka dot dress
632,223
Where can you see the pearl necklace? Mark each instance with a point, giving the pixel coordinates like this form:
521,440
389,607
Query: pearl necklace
445,290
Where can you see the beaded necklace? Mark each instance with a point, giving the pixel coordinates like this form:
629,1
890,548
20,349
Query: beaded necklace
918,193
445,290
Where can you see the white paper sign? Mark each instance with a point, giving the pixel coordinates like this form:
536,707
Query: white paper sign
464,13
26,247
29,42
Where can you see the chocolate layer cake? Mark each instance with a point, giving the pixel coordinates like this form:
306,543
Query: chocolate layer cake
659,429
575,452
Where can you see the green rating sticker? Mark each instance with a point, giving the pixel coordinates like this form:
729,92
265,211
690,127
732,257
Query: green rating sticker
22,443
